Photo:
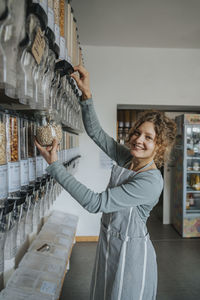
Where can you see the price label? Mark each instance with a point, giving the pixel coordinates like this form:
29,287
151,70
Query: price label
38,46
48,287
24,172
3,181
13,177
39,166
32,166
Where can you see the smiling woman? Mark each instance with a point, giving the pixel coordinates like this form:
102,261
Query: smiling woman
153,134
125,266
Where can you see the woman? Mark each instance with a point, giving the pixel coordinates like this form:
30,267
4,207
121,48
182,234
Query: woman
125,266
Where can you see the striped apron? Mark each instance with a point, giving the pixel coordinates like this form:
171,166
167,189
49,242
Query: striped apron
125,265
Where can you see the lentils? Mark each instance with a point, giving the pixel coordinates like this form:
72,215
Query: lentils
2,144
46,134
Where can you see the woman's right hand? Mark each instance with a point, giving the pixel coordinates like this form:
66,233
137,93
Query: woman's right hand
83,81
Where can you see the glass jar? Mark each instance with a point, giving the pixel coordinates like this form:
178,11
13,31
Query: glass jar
31,151
24,171
36,208
48,130
12,31
20,216
10,248
29,214
56,7
2,239
13,153
3,159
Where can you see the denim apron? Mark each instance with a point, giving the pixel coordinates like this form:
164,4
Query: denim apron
125,265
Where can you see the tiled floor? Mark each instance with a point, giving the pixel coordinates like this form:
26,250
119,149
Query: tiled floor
178,266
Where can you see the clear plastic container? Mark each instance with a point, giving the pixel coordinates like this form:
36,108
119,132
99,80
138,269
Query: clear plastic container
12,31
30,208
45,263
31,151
33,280
48,130
13,153
2,239
21,294
20,216
49,248
24,170
48,73
3,159
10,224
36,207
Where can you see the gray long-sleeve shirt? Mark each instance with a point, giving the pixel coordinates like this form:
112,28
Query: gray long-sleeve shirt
143,189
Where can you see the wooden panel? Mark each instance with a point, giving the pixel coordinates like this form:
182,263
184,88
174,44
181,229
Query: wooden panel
87,238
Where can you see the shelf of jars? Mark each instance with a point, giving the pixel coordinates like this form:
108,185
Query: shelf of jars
39,44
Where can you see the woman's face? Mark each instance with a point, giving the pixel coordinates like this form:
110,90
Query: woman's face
143,141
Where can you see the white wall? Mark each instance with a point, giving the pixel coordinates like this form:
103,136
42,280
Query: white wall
129,76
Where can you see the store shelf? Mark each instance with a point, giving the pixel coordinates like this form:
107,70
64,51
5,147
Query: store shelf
192,191
193,172
193,157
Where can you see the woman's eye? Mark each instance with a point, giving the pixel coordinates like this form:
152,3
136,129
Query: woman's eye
136,133
149,138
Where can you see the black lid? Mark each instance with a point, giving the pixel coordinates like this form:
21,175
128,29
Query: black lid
51,37
8,206
4,14
21,199
37,10
64,68
43,181
29,190
37,186
56,50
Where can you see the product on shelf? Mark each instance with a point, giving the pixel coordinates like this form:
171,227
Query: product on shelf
2,140
13,153
48,131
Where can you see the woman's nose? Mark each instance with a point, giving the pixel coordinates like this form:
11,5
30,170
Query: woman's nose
139,138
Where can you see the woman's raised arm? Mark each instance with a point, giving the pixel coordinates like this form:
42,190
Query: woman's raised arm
114,150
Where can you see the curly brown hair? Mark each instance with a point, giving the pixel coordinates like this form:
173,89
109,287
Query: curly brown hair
165,129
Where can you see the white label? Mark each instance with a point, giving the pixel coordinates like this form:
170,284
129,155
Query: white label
24,174
13,177
57,34
32,166
39,166
51,19
62,48
3,181
48,288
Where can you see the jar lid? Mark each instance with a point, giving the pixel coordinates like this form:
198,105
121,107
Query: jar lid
37,186
64,68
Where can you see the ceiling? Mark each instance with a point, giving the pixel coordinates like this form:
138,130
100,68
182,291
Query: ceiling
139,23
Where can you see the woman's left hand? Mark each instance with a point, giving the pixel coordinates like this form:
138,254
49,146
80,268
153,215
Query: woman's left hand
49,153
